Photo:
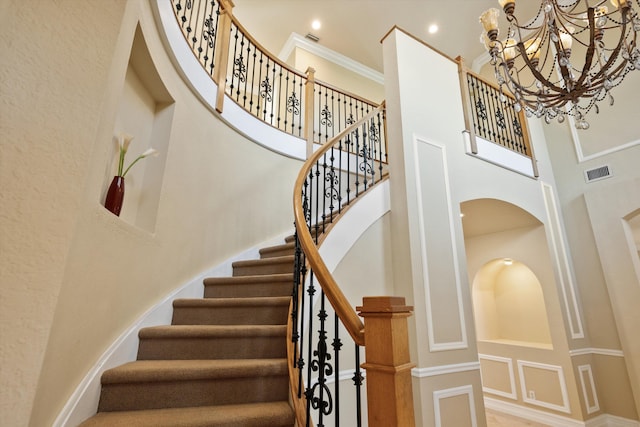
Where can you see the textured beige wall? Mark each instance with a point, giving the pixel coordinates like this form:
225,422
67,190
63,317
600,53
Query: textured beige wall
77,276
55,68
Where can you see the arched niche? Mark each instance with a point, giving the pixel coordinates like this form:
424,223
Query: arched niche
509,305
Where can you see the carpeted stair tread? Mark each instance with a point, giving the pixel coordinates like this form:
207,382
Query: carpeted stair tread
274,265
231,311
188,342
272,414
192,370
211,331
278,250
258,278
231,302
265,285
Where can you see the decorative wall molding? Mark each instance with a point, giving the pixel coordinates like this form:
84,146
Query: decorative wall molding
575,137
441,150
433,371
296,40
598,351
586,380
554,420
533,401
512,379
452,392
561,260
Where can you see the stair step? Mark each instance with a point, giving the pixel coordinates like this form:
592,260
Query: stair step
273,414
275,265
187,342
231,311
279,250
266,285
156,384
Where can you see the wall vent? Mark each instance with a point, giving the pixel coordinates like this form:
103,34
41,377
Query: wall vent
312,37
596,174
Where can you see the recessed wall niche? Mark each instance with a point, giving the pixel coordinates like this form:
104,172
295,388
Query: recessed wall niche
145,111
509,305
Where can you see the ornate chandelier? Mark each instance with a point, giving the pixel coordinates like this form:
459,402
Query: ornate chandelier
567,58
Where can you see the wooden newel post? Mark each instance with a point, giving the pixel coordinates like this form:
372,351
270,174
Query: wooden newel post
221,57
388,364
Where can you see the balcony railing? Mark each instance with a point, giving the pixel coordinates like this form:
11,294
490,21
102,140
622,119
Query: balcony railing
490,115
268,88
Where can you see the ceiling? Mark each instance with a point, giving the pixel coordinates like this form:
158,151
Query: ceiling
355,28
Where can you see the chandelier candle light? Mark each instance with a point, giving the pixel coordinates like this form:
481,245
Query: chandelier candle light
538,60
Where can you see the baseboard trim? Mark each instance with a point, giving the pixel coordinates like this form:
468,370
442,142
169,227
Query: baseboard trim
553,420
83,403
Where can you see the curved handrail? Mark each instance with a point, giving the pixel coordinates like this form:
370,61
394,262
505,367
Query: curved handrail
336,297
257,80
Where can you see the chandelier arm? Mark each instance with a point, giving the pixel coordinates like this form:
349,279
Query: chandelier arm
590,49
534,70
614,54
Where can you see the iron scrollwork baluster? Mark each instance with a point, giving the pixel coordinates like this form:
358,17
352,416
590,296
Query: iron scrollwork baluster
319,395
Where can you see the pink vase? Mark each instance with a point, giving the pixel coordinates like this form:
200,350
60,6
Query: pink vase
115,195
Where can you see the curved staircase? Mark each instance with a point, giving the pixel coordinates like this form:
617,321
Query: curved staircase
222,361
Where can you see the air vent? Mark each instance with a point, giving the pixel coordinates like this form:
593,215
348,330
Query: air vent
312,37
597,174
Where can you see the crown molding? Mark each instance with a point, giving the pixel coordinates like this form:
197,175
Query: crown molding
296,40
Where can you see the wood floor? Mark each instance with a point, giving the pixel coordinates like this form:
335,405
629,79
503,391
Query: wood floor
498,419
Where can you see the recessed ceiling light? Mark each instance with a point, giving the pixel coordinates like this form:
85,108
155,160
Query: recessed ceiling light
316,24
433,28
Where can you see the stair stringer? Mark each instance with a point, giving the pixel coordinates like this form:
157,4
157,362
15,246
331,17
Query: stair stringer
83,403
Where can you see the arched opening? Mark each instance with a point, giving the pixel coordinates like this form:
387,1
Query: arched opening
509,304
509,267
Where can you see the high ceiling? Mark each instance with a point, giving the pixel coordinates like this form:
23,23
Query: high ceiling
354,28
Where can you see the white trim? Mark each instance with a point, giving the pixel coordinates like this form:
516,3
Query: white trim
563,386
562,261
530,414
578,146
452,345
512,379
451,392
83,402
296,40
501,156
598,351
433,371
554,420
596,406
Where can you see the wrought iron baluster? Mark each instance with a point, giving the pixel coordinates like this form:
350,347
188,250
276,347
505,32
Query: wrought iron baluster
276,95
283,95
357,382
337,345
245,66
308,392
356,136
288,110
253,95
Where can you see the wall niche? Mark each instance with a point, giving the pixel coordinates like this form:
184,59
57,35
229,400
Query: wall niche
145,111
509,305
